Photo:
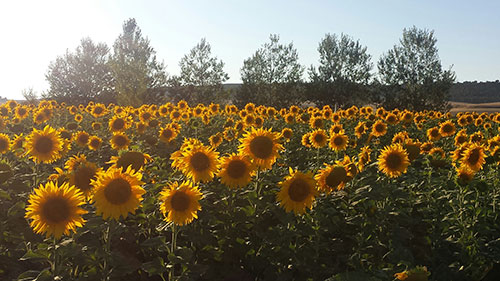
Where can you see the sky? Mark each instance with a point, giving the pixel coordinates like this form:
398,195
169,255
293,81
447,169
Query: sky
37,32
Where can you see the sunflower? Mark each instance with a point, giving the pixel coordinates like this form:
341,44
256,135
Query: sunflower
262,146
95,142
318,138
4,143
119,123
119,141
55,209
215,140
82,138
473,157
287,133
306,140
316,122
338,142
379,128
134,159
364,157
80,176
44,145
413,149
22,112
18,144
117,192
98,110
199,163
236,170
78,118
433,134
447,129
168,134
393,160
332,178
360,129
297,192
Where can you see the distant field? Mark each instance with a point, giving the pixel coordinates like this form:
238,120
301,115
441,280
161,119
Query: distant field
477,107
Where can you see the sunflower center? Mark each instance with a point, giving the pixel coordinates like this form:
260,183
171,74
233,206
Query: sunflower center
131,158
336,177
299,190
473,157
379,128
200,161
261,147
98,110
118,124
83,175
236,169
447,128
4,144
180,202
287,134
167,133
83,138
120,140
118,191
44,145
435,133
319,138
338,141
394,161
55,210
95,143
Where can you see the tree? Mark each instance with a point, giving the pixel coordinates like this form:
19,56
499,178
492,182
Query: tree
411,74
272,75
30,96
201,75
343,73
81,76
139,77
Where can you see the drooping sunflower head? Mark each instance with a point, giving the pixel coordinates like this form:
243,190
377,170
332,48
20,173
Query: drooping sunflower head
298,191
393,160
262,146
306,140
133,159
117,192
413,149
82,175
331,178
55,209
236,170
4,143
364,157
44,145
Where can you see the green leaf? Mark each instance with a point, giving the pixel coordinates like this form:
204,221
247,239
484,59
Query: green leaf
38,255
154,267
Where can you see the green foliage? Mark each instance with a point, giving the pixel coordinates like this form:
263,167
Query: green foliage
138,76
201,76
271,76
411,74
343,72
81,76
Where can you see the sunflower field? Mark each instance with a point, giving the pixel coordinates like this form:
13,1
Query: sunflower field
180,192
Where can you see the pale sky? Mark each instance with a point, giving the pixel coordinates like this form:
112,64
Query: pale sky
36,32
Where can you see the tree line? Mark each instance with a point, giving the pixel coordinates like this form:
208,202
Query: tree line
410,74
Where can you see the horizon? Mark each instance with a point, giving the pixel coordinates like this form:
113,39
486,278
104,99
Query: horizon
470,43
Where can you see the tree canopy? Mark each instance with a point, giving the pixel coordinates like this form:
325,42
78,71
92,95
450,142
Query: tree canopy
139,76
83,75
411,73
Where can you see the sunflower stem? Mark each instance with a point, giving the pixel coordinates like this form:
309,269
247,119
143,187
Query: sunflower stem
173,247
54,258
317,157
107,240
